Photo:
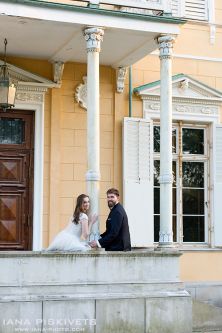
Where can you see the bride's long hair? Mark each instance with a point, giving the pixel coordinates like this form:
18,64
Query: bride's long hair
78,209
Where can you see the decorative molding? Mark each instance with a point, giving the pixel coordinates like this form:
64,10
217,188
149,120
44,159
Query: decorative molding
81,93
32,88
166,46
195,109
93,37
153,106
29,97
200,109
200,101
58,67
120,80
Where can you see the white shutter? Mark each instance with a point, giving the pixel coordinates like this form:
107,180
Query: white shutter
138,179
217,216
196,9
191,9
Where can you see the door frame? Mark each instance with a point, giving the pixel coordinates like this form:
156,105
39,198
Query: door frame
38,109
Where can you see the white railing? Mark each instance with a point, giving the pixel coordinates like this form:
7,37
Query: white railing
190,9
163,5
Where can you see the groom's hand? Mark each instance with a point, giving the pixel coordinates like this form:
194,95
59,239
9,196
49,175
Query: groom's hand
93,244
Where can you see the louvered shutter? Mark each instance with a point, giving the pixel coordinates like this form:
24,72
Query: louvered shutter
138,179
191,9
196,9
217,216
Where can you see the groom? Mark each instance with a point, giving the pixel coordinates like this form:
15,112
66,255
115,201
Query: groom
117,236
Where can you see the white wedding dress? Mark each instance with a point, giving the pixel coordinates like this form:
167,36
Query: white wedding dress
69,239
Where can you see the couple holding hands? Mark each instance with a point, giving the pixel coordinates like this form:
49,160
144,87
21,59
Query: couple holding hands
75,236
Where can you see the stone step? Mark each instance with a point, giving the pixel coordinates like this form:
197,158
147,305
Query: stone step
207,318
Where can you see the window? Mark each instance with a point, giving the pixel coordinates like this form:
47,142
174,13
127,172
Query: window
190,169
12,131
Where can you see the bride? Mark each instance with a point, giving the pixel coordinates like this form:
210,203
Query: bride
74,236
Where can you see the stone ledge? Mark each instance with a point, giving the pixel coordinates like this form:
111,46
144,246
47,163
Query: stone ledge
93,296
93,266
96,253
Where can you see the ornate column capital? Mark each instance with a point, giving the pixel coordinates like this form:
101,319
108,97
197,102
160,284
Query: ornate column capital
165,46
93,37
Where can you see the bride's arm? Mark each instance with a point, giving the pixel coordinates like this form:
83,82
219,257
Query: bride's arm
87,225
85,229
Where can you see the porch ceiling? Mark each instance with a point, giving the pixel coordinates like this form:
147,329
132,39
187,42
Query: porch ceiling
57,35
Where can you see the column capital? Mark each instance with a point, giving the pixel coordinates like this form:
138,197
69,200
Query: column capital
93,37
166,46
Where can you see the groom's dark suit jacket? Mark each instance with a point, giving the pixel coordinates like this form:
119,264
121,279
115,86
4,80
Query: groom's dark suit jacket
117,236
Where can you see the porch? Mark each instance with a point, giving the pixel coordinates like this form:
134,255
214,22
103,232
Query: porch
62,33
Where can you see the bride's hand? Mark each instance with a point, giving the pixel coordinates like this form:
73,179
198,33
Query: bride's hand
94,218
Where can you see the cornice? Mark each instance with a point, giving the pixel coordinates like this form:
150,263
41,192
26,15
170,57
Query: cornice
29,88
187,100
21,76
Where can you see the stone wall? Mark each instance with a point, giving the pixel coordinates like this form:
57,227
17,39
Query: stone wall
100,292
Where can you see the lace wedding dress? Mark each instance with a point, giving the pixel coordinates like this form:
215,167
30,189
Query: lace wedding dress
69,239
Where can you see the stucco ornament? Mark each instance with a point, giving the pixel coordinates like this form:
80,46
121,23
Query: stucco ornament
120,80
184,85
81,93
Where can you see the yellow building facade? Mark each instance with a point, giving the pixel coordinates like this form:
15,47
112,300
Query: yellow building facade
197,53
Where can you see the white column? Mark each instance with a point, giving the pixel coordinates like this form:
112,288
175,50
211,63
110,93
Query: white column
93,37
166,176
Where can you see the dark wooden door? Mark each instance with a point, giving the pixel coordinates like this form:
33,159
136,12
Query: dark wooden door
16,179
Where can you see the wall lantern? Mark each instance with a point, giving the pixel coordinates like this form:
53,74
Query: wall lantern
7,88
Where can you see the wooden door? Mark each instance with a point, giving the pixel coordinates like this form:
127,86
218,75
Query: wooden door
16,179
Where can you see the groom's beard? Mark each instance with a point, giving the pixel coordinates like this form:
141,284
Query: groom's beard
111,204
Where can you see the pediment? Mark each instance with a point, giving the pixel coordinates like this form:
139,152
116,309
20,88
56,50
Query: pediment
183,87
25,78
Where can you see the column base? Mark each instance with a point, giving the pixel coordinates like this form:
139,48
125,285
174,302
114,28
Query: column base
167,246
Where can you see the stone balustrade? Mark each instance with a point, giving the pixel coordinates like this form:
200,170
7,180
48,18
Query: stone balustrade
96,291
